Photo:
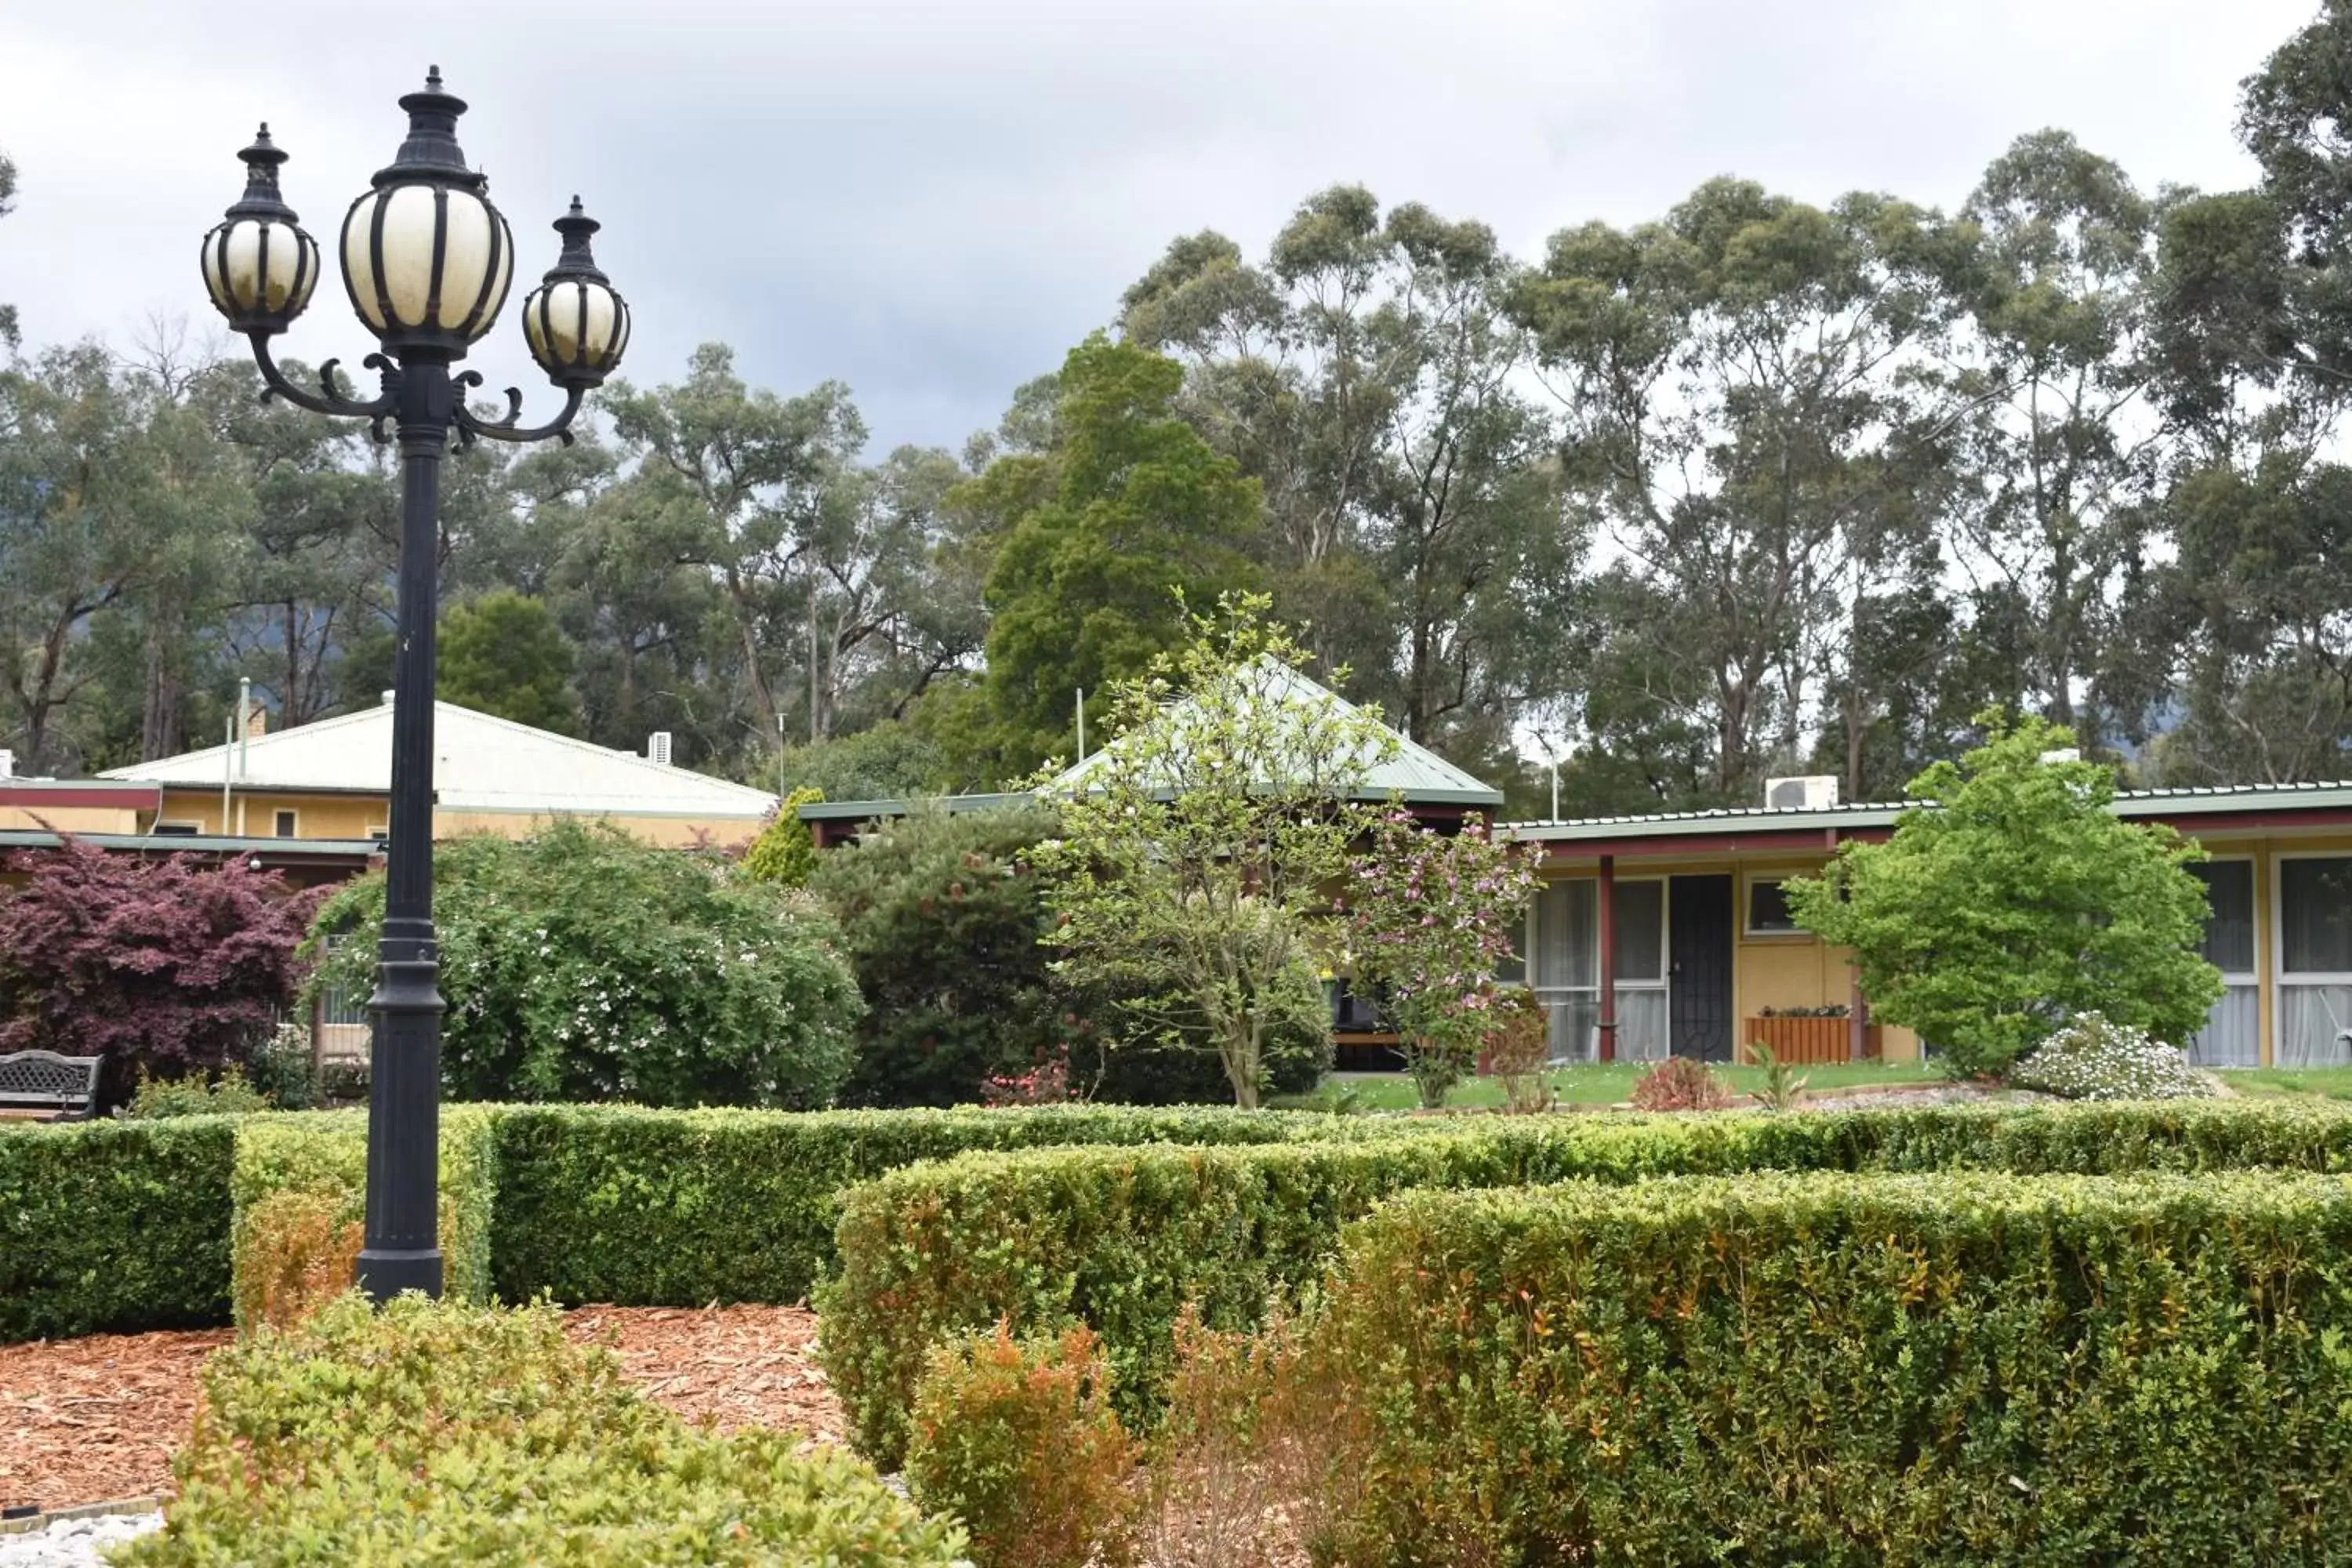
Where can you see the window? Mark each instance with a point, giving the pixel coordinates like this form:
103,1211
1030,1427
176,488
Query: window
379,832
178,829
2314,961
1768,910
2232,1035
285,824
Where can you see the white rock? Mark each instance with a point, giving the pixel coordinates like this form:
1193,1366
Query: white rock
74,1542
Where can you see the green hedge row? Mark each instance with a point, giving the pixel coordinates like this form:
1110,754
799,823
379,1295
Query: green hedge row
1849,1370
441,1433
114,1226
678,1208
1121,1238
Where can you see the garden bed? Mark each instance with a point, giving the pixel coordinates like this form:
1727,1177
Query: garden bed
97,1419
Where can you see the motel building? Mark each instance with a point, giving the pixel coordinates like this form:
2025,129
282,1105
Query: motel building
1668,934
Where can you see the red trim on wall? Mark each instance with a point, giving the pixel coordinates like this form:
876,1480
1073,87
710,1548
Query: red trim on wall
31,794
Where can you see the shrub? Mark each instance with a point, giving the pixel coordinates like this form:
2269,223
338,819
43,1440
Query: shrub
300,1187
1183,1068
1224,1485
1518,1051
2013,900
1679,1083
1122,1238
1437,974
786,851
656,1209
2092,1058
1844,1370
114,1226
1019,1442
941,915
159,964
430,1434
585,965
159,1099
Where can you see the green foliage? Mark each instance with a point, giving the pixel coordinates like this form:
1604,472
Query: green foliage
503,654
158,1099
2022,1371
114,1226
429,1434
1430,916
1784,1086
652,1208
890,761
2014,899
1191,879
786,851
2092,1058
584,965
1120,1238
324,1157
1019,1442
941,915
1131,508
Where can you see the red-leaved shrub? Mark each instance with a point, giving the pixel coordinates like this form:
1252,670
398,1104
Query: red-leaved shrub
1678,1083
164,963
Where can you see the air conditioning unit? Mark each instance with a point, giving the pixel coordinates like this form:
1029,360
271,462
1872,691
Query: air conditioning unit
658,747
1813,791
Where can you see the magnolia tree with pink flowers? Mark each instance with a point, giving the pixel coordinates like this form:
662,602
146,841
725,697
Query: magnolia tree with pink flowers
1430,916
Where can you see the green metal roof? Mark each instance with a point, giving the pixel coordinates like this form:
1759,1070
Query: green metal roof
2142,802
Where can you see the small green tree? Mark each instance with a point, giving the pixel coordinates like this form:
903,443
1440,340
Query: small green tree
1429,917
2013,900
1199,850
786,852
503,653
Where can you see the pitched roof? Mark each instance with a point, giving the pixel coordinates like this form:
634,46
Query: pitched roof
2135,802
480,763
1415,775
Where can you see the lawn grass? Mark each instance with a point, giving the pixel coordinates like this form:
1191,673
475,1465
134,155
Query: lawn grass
1609,1084
2332,1083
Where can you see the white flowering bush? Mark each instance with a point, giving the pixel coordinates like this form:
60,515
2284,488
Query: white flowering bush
584,965
2092,1057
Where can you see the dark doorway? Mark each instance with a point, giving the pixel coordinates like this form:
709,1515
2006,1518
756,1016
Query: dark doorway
1699,950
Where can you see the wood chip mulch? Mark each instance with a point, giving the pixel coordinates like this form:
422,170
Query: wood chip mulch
96,1419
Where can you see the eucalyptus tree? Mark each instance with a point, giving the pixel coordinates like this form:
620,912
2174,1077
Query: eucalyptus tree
9,333
1368,374
1740,429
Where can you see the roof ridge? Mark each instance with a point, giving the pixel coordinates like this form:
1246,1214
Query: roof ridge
603,753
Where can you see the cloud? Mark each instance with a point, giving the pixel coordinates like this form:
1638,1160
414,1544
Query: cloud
932,201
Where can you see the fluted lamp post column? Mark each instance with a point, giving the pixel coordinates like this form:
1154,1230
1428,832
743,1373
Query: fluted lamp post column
427,260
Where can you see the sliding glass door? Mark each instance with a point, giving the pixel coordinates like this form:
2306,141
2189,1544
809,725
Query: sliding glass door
2231,1037
2314,961
1566,972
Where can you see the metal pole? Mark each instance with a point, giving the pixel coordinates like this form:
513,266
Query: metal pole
402,1249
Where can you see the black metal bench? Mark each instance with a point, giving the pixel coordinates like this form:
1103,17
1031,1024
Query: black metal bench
42,1086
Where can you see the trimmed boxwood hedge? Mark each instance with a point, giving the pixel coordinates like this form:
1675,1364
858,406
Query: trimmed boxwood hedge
643,1207
431,1433
1849,1370
114,1226
1120,1238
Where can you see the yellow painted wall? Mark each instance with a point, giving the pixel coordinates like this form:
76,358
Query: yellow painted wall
70,818
254,814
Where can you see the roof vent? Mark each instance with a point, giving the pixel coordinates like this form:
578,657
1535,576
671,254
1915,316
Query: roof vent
2063,754
8,764
1813,792
387,699
658,747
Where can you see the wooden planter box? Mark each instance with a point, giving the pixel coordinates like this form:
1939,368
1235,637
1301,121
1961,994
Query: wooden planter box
1807,1039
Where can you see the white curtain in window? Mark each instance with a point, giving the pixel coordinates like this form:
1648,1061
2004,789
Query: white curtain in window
2315,1027
2232,1035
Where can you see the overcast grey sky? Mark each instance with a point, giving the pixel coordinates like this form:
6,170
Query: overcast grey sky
932,201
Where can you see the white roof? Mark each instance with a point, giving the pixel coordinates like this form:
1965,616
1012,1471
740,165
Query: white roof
480,763
1414,774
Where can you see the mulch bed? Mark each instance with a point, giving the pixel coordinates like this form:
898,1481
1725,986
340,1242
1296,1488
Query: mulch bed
96,1419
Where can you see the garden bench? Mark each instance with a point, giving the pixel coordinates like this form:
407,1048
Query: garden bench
42,1086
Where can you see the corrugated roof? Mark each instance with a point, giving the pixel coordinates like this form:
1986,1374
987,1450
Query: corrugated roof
1414,774
2187,801
480,763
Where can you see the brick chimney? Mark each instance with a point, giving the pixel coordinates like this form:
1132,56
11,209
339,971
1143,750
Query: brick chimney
257,723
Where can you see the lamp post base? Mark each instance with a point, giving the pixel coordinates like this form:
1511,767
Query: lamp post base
384,1275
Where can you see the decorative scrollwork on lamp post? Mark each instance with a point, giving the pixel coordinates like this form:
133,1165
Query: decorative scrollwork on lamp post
426,263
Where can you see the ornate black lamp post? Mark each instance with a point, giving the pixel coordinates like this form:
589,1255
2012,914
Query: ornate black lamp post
426,259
